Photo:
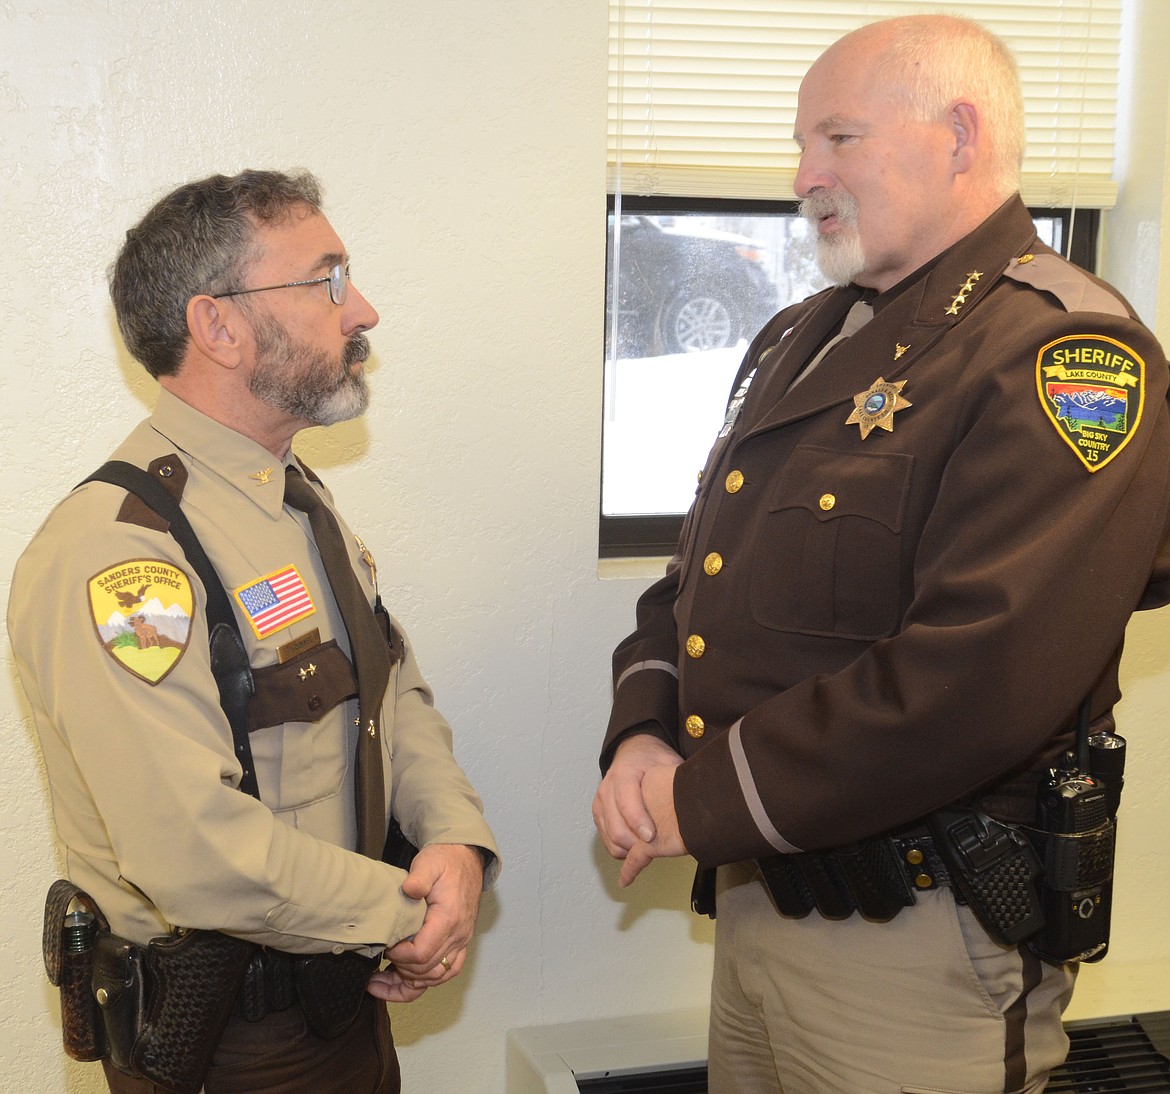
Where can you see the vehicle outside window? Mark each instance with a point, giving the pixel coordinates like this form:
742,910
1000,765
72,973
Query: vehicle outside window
685,286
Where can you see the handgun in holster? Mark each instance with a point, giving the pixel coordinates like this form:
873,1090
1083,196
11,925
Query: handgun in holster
994,869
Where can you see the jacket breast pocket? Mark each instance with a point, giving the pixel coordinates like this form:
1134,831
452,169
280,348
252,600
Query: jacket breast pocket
827,558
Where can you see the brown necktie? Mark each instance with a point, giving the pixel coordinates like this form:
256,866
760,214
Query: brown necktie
370,655
856,318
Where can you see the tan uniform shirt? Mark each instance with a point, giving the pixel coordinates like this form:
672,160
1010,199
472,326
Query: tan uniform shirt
139,753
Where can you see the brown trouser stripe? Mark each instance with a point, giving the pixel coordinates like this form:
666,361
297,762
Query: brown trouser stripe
1015,1063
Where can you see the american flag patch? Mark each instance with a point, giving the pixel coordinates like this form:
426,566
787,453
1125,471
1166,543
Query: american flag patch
275,601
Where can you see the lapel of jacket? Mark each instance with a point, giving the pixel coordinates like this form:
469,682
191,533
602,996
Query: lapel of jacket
899,333
794,346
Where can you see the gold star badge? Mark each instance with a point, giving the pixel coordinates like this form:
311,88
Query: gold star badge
876,407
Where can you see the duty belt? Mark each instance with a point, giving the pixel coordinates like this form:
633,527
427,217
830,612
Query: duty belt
877,877
328,987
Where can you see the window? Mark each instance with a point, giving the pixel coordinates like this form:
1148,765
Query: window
696,281
702,98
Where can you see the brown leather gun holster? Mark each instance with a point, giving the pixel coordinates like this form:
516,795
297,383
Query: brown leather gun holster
158,1011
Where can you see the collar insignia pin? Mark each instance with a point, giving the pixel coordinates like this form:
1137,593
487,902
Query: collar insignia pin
961,296
899,349
368,559
875,408
263,476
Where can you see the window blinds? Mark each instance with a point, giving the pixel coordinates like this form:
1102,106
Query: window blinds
702,93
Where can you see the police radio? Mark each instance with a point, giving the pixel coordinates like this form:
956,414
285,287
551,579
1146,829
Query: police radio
1075,836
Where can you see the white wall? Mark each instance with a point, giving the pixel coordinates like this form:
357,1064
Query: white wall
462,149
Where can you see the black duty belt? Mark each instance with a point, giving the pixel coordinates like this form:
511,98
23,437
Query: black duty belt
877,877
328,987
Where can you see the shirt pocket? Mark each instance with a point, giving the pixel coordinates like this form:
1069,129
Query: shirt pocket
828,554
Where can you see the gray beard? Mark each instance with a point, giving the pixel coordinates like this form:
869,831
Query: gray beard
840,256
306,383
841,259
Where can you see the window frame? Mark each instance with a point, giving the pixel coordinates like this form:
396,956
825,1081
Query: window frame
656,535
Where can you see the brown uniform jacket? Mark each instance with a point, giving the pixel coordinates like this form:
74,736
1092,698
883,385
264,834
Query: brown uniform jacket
859,630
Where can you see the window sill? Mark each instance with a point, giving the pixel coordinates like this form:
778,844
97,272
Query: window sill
650,567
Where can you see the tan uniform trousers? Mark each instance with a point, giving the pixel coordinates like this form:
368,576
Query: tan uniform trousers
924,1004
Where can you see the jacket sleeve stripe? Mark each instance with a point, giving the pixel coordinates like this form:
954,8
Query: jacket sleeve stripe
751,796
638,666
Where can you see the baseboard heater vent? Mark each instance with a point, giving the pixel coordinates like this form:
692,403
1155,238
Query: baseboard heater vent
1130,1055
1113,1054
691,1080
1120,1054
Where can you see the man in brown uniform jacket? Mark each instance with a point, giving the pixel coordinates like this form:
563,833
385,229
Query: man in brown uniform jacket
235,294
912,556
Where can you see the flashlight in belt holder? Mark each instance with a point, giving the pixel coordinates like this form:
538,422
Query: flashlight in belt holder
81,1025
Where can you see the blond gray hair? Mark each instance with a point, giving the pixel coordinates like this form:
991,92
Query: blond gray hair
932,61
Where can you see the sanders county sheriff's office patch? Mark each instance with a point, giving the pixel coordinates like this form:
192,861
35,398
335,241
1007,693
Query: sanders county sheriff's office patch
141,610
1092,388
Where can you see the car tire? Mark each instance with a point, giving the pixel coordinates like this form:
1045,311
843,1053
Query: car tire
696,318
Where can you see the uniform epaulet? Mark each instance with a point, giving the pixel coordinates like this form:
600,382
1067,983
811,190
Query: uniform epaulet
169,471
1073,288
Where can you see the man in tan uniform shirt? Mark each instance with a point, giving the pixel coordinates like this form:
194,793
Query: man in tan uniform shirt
235,294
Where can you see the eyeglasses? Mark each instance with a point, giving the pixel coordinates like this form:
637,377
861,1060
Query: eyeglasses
337,280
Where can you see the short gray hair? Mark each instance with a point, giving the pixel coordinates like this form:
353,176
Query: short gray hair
932,60
197,239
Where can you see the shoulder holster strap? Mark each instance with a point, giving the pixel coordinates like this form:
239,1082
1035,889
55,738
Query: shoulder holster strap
229,658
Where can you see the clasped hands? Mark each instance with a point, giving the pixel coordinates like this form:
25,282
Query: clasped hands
634,805
449,877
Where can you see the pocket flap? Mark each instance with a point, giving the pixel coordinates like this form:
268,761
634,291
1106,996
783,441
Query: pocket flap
831,484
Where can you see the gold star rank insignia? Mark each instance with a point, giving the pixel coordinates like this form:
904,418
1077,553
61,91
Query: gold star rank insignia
876,407
961,296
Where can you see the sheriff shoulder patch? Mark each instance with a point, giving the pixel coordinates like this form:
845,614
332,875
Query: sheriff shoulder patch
141,610
275,601
1093,389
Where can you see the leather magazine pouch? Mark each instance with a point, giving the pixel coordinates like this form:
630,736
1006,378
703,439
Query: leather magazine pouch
193,979
786,885
827,884
331,988
875,877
